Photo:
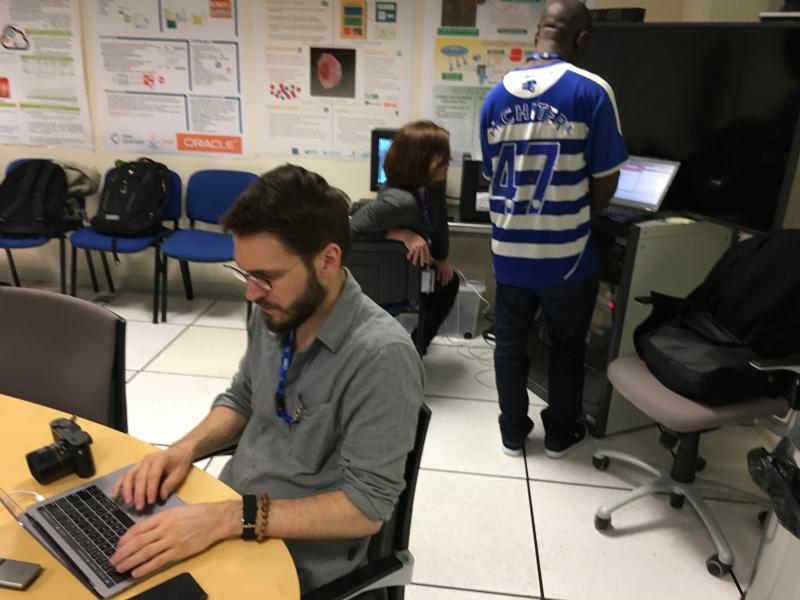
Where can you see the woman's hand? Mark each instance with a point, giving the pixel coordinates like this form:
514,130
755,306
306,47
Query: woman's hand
444,271
418,252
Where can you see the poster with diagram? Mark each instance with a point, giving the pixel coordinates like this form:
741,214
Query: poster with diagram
42,86
168,76
469,47
329,72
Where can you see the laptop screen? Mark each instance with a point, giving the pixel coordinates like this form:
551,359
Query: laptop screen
643,182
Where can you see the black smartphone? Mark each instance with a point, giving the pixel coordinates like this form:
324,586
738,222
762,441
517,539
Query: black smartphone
17,574
180,587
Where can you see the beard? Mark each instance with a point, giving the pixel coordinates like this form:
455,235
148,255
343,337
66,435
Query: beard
297,312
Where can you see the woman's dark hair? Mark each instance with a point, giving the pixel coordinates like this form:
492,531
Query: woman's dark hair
295,205
418,150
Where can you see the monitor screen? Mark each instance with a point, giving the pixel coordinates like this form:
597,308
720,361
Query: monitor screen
643,182
381,140
723,99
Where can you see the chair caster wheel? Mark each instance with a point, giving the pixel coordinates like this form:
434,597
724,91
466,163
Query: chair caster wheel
601,463
676,500
716,567
762,517
601,524
700,464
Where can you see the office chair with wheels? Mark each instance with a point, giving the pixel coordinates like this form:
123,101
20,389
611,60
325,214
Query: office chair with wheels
89,239
389,562
209,194
387,277
65,353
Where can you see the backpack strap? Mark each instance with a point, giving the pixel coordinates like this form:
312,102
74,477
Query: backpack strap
42,181
24,188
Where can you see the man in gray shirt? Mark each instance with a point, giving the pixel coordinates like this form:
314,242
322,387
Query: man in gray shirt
324,405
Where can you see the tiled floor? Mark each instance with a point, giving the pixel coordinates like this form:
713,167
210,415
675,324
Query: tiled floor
485,525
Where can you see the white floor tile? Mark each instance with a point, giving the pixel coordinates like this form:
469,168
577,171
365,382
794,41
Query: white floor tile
215,467
464,371
163,408
651,551
139,307
473,532
143,341
463,436
725,451
225,313
421,592
130,375
209,351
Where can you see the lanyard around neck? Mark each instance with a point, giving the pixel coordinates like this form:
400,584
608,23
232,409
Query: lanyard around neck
280,392
426,220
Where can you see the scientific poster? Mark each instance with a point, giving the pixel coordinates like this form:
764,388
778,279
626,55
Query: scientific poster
42,86
329,72
469,47
168,76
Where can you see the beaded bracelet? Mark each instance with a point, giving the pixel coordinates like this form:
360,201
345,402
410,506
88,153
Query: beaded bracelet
262,519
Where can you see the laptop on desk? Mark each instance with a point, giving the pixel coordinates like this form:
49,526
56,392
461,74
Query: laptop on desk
81,527
643,185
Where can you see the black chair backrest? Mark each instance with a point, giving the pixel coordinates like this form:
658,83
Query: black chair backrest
63,352
384,273
394,534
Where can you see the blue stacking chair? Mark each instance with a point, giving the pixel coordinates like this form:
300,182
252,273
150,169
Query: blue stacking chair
18,242
209,194
88,239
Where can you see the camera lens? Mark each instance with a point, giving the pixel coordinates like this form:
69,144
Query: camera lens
50,462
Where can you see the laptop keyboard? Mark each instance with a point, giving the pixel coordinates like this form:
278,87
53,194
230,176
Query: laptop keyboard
91,523
625,214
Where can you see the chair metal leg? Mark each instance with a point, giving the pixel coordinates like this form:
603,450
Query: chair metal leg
724,551
156,279
163,287
187,280
662,484
73,276
107,270
13,267
62,254
92,274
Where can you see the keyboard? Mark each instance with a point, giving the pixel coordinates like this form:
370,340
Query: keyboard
91,524
625,214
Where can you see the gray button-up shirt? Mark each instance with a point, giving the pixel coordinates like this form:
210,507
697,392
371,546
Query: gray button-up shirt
359,387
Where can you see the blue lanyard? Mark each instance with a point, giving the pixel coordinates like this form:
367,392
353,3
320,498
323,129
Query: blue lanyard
543,56
426,221
280,392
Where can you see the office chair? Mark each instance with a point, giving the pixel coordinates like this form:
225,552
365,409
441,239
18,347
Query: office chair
89,239
209,194
389,562
684,420
18,242
387,277
65,353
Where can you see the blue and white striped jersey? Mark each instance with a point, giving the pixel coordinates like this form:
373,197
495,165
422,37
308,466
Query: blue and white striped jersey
546,129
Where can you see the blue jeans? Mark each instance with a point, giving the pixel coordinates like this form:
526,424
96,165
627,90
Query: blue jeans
568,312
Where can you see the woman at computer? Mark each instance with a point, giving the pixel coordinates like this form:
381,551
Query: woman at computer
411,208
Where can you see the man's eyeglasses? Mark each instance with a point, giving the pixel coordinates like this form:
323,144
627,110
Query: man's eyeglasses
264,284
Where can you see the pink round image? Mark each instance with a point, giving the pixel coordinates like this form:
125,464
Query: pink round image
329,71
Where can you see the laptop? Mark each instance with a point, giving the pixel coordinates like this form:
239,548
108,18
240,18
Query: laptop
643,185
81,527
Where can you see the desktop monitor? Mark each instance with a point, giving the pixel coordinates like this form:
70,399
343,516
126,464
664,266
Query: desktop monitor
381,140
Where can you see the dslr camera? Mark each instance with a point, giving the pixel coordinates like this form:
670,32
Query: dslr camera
69,452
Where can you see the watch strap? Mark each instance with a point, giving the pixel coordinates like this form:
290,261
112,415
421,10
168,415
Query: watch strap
249,510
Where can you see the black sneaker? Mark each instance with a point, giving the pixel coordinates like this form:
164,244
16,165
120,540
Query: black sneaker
563,448
514,448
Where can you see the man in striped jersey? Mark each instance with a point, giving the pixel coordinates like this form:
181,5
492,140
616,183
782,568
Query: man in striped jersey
552,147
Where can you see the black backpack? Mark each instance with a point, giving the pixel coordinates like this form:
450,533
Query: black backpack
33,200
133,199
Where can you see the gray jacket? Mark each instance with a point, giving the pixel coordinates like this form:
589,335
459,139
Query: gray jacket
396,208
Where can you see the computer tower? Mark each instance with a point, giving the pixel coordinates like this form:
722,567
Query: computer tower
472,183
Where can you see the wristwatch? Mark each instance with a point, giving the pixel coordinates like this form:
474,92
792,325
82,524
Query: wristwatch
249,508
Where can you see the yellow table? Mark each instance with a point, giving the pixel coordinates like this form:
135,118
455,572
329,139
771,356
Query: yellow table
231,569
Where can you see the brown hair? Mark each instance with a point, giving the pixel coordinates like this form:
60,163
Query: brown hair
418,150
297,206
